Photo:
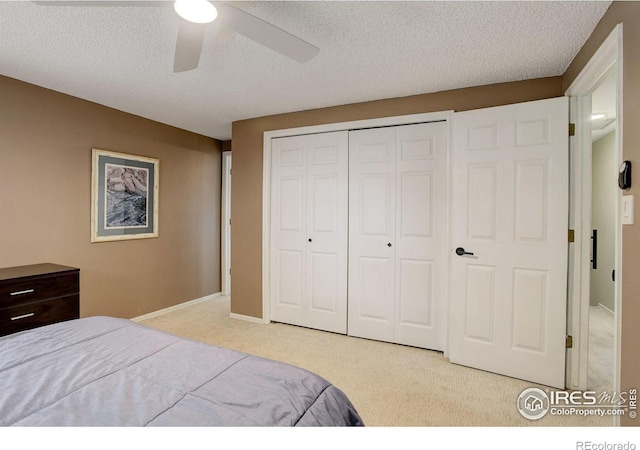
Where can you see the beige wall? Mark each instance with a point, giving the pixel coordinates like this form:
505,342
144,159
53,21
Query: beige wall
45,184
627,13
246,240
603,215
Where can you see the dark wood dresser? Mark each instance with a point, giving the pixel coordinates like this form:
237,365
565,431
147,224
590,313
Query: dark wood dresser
37,295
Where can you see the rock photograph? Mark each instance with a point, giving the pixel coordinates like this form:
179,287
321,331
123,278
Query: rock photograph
126,196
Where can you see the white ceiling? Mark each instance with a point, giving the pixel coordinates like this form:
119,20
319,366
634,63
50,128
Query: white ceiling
122,57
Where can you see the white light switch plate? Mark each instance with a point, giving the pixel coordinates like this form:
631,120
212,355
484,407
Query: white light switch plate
627,210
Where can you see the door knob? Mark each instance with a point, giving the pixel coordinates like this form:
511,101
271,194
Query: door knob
310,239
460,251
389,244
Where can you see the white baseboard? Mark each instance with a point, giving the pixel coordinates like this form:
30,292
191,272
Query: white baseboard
248,318
175,307
611,313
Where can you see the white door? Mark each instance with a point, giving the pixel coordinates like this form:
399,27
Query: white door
421,246
509,214
397,240
327,231
372,233
309,230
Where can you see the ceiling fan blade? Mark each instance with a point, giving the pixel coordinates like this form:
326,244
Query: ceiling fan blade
265,33
153,3
188,46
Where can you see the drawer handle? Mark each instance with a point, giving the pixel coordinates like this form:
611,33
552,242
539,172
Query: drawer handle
26,291
24,316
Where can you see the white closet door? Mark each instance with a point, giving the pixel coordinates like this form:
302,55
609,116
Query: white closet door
420,266
309,230
288,229
372,222
397,234
327,206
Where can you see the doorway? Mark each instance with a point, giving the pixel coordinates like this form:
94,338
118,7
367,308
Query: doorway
600,79
226,224
602,308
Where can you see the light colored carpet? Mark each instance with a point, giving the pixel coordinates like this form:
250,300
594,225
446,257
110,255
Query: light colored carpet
390,385
600,372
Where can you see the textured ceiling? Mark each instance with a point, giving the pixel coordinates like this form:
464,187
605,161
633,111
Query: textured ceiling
122,57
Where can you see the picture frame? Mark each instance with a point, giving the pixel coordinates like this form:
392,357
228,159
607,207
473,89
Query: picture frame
124,196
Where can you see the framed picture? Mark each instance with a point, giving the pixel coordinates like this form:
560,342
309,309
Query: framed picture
124,196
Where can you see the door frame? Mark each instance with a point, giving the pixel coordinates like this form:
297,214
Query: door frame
325,128
225,244
607,58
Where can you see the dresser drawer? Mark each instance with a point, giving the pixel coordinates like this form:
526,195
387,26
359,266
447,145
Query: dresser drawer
41,288
36,314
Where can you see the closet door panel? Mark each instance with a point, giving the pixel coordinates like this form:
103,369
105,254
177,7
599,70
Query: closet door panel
420,264
326,240
375,288
416,198
288,230
415,294
290,267
372,233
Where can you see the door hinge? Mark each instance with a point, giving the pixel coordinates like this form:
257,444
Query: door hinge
572,235
569,342
572,129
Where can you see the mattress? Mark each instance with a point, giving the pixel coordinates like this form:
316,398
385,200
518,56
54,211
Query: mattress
104,371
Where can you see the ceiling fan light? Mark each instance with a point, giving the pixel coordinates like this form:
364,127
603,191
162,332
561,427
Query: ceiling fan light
197,11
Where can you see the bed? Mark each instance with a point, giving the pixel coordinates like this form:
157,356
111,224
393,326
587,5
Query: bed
105,371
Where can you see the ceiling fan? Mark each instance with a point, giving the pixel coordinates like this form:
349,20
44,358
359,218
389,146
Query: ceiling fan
196,14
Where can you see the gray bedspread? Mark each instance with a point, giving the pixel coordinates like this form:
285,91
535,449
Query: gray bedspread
103,371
